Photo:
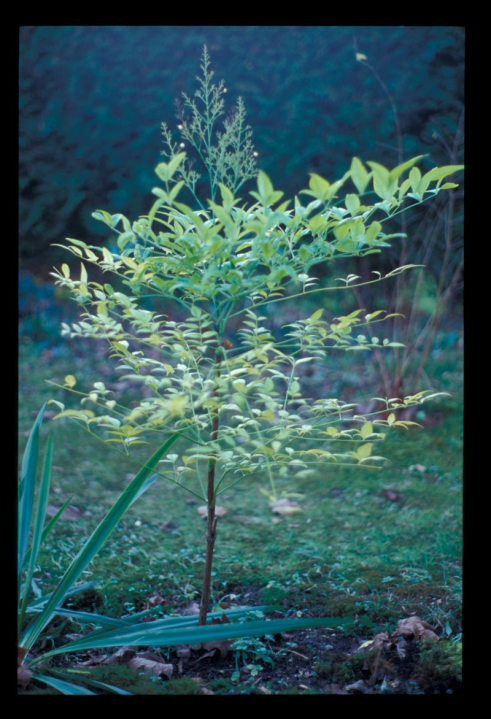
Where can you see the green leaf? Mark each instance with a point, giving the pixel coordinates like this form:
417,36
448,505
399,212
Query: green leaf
438,173
175,191
151,634
319,186
93,545
264,184
372,232
352,204
76,242
38,526
364,451
397,171
48,528
359,175
166,170
26,487
175,162
227,197
449,186
89,617
415,179
79,674
383,184
62,686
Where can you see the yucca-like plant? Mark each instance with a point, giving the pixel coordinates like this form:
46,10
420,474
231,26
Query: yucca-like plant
223,378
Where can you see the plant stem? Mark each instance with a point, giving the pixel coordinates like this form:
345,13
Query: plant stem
211,522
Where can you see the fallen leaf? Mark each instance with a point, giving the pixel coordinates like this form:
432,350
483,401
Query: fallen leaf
415,627
122,656
407,613
219,511
375,666
380,640
183,651
153,656
156,599
336,689
358,687
285,507
206,691
263,689
223,620
94,660
23,676
21,653
212,647
223,647
401,648
191,608
167,526
391,495
72,513
151,668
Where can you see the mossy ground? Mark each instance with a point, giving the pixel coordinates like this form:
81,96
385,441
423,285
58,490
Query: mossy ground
354,551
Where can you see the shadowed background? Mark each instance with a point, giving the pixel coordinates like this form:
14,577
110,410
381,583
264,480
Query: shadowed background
92,100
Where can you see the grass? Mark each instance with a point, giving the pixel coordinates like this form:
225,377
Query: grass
355,550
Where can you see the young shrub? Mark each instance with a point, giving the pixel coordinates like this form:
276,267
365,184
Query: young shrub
113,632
223,377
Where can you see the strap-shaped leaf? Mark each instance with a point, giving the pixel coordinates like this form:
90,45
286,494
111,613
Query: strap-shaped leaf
150,634
26,487
38,527
62,686
93,545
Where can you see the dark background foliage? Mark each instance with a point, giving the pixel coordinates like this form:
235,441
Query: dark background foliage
92,100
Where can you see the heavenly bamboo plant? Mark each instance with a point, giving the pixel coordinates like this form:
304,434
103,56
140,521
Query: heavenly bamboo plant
211,365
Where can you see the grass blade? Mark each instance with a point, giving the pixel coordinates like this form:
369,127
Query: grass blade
93,545
147,635
26,487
